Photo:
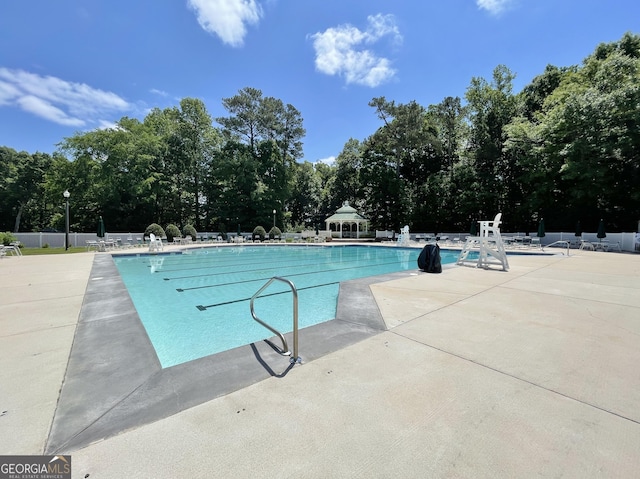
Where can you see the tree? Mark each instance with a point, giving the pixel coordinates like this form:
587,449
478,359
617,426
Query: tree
236,180
304,204
326,176
567,147
22,189
405,147
593,125
346,185
244,124
272,133
449,120
195,143
491,106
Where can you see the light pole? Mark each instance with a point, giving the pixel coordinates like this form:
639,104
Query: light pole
66,195
274,218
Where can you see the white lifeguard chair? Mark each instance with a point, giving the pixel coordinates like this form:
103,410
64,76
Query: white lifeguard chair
404,237
155,243
488,245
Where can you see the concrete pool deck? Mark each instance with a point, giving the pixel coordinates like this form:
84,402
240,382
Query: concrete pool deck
531,372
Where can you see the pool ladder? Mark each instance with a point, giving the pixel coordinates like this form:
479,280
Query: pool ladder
284,351
561,242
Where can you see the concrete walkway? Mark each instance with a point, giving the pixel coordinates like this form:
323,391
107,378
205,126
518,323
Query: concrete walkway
533,372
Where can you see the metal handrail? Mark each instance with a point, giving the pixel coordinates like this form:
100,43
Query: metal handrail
566,243
285,348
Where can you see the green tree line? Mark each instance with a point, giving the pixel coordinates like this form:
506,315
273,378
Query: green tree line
566,148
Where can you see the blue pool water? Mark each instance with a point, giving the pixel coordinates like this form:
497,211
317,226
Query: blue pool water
197,303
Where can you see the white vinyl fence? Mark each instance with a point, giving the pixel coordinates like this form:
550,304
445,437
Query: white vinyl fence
56,240
628,241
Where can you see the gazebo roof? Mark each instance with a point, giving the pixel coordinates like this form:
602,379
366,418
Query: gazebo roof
346,213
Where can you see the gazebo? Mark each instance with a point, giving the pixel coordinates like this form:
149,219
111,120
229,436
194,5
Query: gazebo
346,215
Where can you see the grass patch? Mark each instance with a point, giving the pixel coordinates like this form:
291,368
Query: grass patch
41,251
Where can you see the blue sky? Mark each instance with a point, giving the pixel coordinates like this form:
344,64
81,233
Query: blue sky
69,66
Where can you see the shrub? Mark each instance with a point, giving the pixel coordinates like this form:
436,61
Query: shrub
189,230
296,228
172,231
7,238
260,232
156,229
275,232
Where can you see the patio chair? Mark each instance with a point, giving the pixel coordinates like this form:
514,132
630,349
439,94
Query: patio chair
93,244
16,245
13,249
586,245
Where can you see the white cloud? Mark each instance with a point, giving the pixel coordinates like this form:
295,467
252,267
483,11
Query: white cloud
339,51
494,7
7,93
44,109
331,160
227,18
56,100
107,125
155,91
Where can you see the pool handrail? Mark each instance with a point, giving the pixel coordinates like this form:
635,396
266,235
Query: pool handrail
560,242
285,348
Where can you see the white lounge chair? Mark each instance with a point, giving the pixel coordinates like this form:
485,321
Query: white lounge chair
13,249
93,244
586,245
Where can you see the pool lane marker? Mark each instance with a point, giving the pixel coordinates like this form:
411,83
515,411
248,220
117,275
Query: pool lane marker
294,264
248,258
204,308
182,290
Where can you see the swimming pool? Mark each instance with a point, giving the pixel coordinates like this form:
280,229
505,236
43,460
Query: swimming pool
196,303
